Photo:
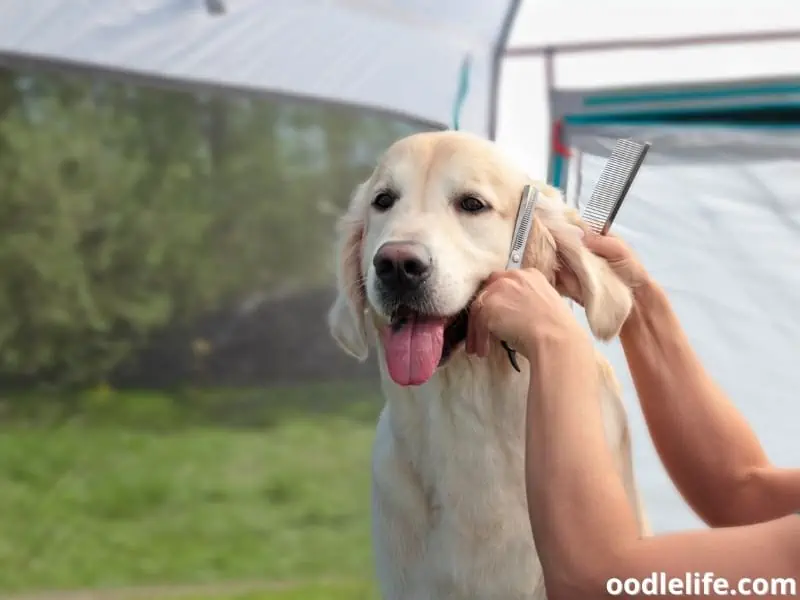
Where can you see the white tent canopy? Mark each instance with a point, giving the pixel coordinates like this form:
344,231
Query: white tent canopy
713,213
343,51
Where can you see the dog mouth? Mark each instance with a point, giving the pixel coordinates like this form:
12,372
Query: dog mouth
415,344
455,328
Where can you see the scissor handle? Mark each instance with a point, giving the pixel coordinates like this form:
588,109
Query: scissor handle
512,356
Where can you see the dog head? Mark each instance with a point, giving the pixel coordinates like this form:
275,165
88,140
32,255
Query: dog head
425,230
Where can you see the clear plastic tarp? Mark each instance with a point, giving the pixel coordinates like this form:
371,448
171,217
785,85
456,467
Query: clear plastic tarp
715,217
401,57
173,410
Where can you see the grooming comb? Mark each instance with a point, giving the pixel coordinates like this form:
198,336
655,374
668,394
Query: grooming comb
613,185
522,229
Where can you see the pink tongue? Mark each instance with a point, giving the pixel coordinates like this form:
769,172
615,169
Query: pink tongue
413,352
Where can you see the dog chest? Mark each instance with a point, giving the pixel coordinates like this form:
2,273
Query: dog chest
489,557
465,460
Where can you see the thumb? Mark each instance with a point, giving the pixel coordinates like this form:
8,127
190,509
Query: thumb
606,246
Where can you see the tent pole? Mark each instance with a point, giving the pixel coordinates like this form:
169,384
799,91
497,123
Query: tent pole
497,65
653,44
549,86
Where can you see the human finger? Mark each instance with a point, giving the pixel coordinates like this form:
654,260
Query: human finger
534,277
494,277
606,246
477,325
474,312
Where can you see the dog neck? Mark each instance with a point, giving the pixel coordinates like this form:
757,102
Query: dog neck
470,400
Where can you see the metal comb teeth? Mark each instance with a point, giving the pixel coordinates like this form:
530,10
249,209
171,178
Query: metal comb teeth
522,227
613,184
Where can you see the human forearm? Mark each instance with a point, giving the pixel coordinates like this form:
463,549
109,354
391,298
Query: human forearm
710,558
585,529
771,492
706,445
578,506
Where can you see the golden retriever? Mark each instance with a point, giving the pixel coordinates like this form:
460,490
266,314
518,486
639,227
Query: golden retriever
435,218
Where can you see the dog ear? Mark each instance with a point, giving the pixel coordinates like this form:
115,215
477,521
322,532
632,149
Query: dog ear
346,320
606,299
540,253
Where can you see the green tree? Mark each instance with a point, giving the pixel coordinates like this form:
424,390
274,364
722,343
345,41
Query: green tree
124,210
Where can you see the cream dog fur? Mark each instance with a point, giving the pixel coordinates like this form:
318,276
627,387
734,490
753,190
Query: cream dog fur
448,497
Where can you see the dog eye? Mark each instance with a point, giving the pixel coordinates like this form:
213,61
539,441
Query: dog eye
384,201
471,204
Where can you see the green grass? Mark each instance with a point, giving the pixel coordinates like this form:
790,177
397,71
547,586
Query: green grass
321,591
107,489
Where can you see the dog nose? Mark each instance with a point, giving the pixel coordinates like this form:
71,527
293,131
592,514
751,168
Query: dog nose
402,266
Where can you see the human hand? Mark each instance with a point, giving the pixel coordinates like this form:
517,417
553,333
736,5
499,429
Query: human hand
521,308
620,258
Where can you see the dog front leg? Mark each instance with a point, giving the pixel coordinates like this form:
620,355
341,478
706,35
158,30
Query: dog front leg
617,429
399,520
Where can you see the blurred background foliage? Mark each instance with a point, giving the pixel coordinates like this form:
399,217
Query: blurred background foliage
175,421
125,210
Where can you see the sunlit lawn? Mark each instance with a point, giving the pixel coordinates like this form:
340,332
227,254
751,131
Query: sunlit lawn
322,591
129,489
